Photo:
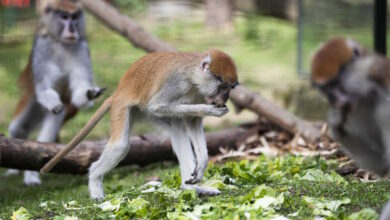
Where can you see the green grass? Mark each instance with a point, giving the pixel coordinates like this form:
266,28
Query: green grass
243,184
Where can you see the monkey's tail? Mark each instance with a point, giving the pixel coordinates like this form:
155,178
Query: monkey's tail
100,112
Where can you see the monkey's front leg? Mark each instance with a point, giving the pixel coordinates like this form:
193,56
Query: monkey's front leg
183,110
195,132
85,95
182,147
49,99
83,90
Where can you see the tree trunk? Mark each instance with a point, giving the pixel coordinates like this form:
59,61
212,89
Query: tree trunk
31,155
285,9
219,13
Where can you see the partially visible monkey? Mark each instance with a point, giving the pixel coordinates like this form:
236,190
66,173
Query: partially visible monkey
357,85
175,90
58,79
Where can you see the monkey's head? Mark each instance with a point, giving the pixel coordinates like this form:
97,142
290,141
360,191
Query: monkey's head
217,77
63,20
329,64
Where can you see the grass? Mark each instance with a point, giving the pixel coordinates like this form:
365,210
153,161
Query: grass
242,184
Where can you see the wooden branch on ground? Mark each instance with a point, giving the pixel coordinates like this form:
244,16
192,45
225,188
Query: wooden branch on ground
31,155
241,97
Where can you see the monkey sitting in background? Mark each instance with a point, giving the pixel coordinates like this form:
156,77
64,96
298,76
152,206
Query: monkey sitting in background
357,85
58,79
175,90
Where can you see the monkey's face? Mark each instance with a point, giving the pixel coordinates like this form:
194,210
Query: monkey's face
65,22
219,76
221,94
328,66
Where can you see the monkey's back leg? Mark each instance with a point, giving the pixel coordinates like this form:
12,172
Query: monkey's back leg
27,116
115,150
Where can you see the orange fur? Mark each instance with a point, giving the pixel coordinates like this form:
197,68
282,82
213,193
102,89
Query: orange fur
26,87
223,66
145,77
70,6
118,119
329,59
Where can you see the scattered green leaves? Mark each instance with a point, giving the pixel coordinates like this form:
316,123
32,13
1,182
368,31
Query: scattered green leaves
287,187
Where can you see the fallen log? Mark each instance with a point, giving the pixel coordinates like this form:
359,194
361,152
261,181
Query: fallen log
145,149
242,97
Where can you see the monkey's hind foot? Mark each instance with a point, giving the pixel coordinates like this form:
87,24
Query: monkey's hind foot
31,178
11,172
202,190
95,187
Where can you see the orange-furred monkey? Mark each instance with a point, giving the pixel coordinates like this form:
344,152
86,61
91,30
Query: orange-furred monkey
58,79
357,85
175,90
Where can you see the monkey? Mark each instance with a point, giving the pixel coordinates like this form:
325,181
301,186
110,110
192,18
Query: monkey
58,79
357,85
175,90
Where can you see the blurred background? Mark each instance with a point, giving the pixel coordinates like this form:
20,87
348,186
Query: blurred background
271,41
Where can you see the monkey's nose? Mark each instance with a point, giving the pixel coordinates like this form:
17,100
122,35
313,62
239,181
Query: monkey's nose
219,105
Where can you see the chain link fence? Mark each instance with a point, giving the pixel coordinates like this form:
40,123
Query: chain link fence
320,20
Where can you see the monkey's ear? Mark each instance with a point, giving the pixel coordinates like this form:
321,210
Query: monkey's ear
206,63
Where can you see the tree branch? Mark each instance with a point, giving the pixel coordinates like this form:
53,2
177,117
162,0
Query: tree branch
31,155
125,26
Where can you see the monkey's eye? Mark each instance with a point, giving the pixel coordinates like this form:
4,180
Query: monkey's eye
75,16
48,9
356,52
64,16
223,86
218,78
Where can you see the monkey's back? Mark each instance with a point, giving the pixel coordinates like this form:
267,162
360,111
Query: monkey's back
146,76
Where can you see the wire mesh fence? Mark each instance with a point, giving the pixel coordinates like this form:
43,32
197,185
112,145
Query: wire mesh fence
320,20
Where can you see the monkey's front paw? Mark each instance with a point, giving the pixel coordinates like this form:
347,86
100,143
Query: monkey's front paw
57,109
219,111
11,172
95,93
194,179
196,176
